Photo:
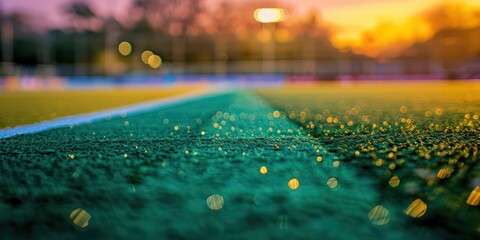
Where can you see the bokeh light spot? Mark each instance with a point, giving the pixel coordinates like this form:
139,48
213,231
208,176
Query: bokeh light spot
336,163
154,61
444,172
215,202
474,198
394,181
416,209
293,183
125,48
379,215
332,182
263,170
145,56
269,15
80,218
276,114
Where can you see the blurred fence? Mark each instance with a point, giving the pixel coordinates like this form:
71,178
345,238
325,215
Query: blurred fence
96,54
322,69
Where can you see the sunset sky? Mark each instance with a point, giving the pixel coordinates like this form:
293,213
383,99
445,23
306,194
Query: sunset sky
355,14
352,14
350,18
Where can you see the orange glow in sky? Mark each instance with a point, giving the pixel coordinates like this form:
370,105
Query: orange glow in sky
371,27
383,28
386,27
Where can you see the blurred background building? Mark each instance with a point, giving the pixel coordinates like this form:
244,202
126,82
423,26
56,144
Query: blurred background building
215,37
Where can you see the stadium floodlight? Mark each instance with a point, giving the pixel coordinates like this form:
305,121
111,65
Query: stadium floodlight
269,15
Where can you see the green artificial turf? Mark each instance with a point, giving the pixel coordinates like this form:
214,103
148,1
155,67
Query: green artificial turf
150,175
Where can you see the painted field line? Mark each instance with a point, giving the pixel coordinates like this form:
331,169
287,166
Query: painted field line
213,91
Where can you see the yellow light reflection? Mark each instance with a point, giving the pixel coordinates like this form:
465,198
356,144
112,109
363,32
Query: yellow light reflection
394,181
416,209
269,15
379,162
293,184
444,173
80,217
332,182
263,170
392,166
336,163
145,55
215,202
474,198
124,48
379,215
154,61
276,114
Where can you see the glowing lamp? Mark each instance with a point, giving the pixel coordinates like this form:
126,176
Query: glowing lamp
269,15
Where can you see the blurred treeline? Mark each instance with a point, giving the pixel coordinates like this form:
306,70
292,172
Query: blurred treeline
191,37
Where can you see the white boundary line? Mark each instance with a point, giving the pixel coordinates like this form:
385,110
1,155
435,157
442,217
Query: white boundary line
101,115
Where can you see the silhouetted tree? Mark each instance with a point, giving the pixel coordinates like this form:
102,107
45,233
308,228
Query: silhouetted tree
176,17
224,18
81,14
19,41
